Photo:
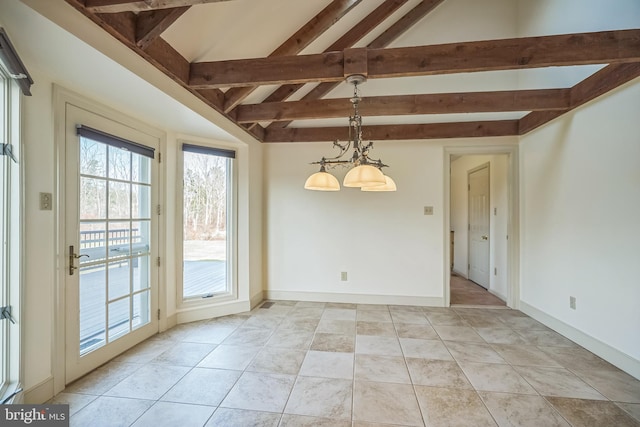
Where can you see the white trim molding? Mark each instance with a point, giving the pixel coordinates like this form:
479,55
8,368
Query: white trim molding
597,347
354,298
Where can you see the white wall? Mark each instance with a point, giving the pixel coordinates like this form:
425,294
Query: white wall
580,199
580,230
48,53
497,221
383,241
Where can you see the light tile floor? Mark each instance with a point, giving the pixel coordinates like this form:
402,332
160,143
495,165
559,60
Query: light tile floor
317,364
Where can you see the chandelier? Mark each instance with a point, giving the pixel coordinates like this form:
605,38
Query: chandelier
366,173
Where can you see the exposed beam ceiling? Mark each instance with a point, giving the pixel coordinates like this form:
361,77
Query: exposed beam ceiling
492,55
225,85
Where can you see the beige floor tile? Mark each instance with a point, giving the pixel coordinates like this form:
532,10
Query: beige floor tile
373,307
473,352
307,312
260,392
103,378
523,322
381,329
519,410
437,373
277,361
445,319
373,316
321,397
75,401
343,305
149,382
169,414
386,403
328,364
501,336
291,338
425,349
557,382
577,358
208,334
110,411
263,322
458,333
484,321
248,337
203,386
184,354
306,324
290,420
452,407
384,346
588,413
413,330
417,317
227,417
229,357
333,342
545,338
332,326
616,385
388,369
145,351
632,409
525,355
339,314
494,377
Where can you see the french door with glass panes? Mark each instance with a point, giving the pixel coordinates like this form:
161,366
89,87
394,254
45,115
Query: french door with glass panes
111,239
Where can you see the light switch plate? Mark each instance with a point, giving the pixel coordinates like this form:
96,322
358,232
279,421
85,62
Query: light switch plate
428,210
46,201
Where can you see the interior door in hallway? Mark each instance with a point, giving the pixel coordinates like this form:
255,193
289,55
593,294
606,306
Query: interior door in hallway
111,239
479,226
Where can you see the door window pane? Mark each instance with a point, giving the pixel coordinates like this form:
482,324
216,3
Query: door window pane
206,224
117,241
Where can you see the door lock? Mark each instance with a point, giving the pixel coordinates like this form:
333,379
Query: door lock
485,238
72,257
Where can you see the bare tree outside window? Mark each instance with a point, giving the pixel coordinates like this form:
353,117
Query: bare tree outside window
205,213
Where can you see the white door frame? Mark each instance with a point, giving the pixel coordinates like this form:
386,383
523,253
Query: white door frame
513,216
62,97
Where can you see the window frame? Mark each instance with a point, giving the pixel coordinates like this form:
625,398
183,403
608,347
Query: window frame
231,294
11,253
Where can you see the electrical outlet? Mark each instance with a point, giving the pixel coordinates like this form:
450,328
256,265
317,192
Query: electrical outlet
572,303
343,276
428,210
46,201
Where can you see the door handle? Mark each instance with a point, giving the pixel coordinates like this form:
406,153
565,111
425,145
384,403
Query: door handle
485,238
72,257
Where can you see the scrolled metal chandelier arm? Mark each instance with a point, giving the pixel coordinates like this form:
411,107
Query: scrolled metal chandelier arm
366,172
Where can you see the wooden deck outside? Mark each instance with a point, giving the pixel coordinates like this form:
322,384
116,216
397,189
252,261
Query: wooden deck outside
200,278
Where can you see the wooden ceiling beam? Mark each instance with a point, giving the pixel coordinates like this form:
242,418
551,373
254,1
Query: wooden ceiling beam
296,43
402,25
350,38
397,132
118,6
443,103
464,57
150,25
601,82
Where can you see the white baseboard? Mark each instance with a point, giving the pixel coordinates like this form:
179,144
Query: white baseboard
354,298
39,393
498,294
459,273
257,299
208,312
608,353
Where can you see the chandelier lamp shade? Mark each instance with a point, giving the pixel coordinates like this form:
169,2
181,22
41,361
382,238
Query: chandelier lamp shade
365,173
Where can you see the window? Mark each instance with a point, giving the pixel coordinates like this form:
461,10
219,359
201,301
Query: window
13,77
207,236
